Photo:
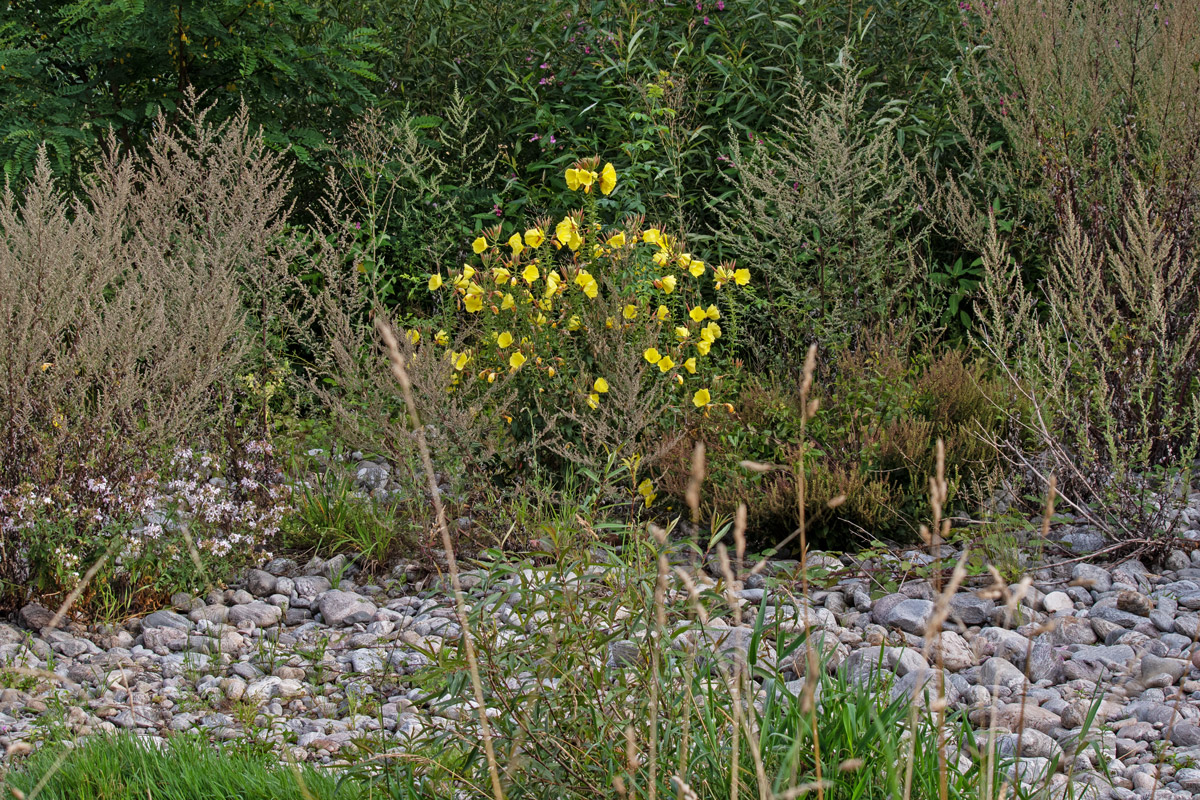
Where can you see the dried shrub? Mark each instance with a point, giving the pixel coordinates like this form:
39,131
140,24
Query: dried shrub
1110,372
123,318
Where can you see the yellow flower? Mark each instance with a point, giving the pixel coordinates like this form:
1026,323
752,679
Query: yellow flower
534,237
572,178
696,268
650,235
435,282
540,319
685,259
646,490
414,336
479,245
667,282
504,340
701,398
616,240
586,178
574,323
473,303
661,258
593,400
703,346
514,242
714,330
468,271
442,338
591,289
690,365
551,372
697,313
608,179
552,282
665,363
741,276
629,312
652,355
682,333
706,335
461,360
600,386
501,276
610,323
662,314
530,274
516,360
712,312
508,303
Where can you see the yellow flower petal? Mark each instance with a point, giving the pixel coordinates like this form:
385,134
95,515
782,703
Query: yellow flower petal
435,282
714,330
593,400
690,365
516,360
696,268
650,235
697,313
617,240
515,243
712,312
479,245
530,274
665,363
608,179
682,333
501,276
600,386
574,323
661,258
508,303
667,282
703,346
701,398
662,314
741,276
414,336
534,237
572,176
442,338
630,312
652,355
473,303
504,340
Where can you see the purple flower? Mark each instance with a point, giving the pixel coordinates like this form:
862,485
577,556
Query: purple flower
534,138
499,212
552,139
706,20
720,5
545,65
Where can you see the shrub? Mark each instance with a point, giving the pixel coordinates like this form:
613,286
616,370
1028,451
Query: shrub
823,209
1110,372
870,449
123,322
602,334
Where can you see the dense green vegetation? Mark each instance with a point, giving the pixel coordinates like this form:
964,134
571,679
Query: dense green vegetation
990,243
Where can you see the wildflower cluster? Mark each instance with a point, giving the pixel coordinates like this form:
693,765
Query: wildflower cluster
531,298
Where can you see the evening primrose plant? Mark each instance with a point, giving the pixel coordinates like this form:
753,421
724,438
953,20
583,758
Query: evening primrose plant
541,306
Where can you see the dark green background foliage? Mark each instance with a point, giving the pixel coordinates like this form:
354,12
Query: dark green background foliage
75,70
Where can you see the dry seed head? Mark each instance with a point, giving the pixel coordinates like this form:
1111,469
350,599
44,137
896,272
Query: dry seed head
834,502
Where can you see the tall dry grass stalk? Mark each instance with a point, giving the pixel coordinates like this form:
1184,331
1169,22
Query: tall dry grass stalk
400,373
